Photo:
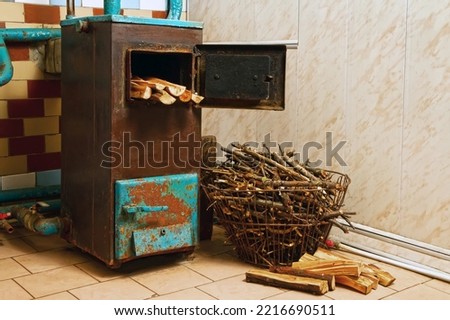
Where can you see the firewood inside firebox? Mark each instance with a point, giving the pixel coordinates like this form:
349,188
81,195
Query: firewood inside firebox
151,88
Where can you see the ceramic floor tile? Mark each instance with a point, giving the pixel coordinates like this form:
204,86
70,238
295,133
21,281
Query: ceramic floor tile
439,285
213,247
59,296
117,289
342,293
42,261
14,248
404,278
19,232
297,295
10,290
8,236
170,279
188,294
43,243
236,288
219,267
54,281
10,269
420,292
99,271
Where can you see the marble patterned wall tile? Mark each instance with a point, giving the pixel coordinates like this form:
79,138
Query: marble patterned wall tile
223,21
229,125
276,20
376,59
321,79
426,148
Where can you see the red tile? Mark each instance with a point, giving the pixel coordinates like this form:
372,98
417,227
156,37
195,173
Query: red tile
26,145
44,161
2,25
44,88
18,51
159,14
26,108
35,13
11,128
97,11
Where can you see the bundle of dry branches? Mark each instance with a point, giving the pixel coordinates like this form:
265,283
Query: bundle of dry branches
273,207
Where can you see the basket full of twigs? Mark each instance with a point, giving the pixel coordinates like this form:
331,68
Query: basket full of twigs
273,208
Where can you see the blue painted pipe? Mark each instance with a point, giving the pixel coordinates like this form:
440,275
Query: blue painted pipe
111,6
175,9
20,35
29,34
6,68
30,193
35,222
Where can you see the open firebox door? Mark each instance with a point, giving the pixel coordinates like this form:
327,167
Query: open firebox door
130,163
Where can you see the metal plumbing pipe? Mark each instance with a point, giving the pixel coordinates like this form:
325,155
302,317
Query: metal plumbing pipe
20,35
6,226
411,244
111,6
6,67
70,5
175,9
35,222
394,260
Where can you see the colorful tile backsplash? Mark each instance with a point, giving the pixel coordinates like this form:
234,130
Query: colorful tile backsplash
30,104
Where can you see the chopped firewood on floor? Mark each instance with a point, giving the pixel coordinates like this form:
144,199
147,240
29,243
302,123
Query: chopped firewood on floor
321,272
151,88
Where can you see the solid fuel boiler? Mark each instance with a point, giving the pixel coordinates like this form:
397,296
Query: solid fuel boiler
130,167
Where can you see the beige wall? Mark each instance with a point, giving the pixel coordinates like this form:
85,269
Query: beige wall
374,73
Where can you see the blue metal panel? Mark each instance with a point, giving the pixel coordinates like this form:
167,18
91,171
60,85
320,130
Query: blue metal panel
134,20
159,239
155,214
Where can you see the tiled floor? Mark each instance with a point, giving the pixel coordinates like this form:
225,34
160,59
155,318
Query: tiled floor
39,267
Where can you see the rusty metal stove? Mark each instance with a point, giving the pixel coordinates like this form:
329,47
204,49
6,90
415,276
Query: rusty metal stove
130,168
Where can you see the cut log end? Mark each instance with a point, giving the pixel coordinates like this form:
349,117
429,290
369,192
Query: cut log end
139,91
196,98
163,97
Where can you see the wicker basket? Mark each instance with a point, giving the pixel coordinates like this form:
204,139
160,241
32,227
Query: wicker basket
264,230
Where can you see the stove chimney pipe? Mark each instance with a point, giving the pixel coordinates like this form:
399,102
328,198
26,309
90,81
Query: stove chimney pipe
111,6
70,4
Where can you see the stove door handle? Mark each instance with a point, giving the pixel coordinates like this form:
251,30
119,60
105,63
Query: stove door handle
134,209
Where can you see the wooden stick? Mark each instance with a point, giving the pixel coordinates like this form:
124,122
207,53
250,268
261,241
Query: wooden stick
335,267
140,91
186,96
368,270
315,286
360,284
305,273
196,98
174,89
384,277
163,97
139,80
